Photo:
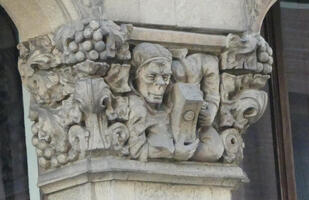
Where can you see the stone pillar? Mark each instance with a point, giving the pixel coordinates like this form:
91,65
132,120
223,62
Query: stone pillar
112,178
152,105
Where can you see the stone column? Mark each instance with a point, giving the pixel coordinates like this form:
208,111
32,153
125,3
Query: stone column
152,105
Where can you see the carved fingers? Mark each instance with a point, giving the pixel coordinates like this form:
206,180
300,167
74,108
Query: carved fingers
207,114
185,151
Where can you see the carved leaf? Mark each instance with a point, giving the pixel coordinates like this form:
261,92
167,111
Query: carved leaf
93,68
119,109
118,77
247,52
242,101
94,97
78,137
93,94
49,137
42,60
119,134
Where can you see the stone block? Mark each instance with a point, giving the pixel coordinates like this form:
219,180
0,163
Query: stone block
116,179
183,14
134,190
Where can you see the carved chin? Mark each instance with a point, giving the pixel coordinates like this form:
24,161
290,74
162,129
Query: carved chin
154,98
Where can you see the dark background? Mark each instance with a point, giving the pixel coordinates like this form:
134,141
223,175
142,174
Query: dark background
13,158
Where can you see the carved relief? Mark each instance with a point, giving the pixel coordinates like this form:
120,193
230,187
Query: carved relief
245,66
72,104
248,53
93,94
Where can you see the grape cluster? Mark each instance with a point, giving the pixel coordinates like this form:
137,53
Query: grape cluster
264,57
48,156
88,40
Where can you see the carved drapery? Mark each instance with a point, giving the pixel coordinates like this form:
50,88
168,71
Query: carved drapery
94,94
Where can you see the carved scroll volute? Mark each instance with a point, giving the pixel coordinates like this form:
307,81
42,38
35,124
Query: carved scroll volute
242,101
246,64
242,105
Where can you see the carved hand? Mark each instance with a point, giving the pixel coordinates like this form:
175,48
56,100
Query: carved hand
185,151
207,114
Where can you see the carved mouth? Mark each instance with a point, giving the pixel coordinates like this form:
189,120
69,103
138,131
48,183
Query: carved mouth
156,96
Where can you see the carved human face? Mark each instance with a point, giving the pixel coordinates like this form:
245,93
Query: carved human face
153,80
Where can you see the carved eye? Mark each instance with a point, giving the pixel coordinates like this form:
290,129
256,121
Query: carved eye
151,77
166,78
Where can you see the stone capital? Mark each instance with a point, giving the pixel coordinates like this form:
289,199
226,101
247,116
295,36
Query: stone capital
116,105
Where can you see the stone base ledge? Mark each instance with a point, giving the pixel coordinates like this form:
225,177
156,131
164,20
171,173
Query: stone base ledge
135,190
96,170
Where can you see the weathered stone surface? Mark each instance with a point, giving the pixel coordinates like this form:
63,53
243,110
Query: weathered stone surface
142,101
34,18
132,190
136,109
182,14
175,39
189,100
115,169
247,52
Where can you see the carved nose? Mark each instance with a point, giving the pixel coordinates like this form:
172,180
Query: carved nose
160,81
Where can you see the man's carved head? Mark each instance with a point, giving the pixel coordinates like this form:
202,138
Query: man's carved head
153,71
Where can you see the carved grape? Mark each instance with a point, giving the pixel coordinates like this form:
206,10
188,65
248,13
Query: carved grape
35,141
94,25
87,45
99,46
34,128
83,37
39,152
93,55
48,153
54,162
73,46
264,56
97,35
62,158
43,162
80,56
88,33
42,144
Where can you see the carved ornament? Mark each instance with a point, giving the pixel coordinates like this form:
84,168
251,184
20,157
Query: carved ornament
94,94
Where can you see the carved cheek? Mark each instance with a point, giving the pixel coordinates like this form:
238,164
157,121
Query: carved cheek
144,88
148,84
